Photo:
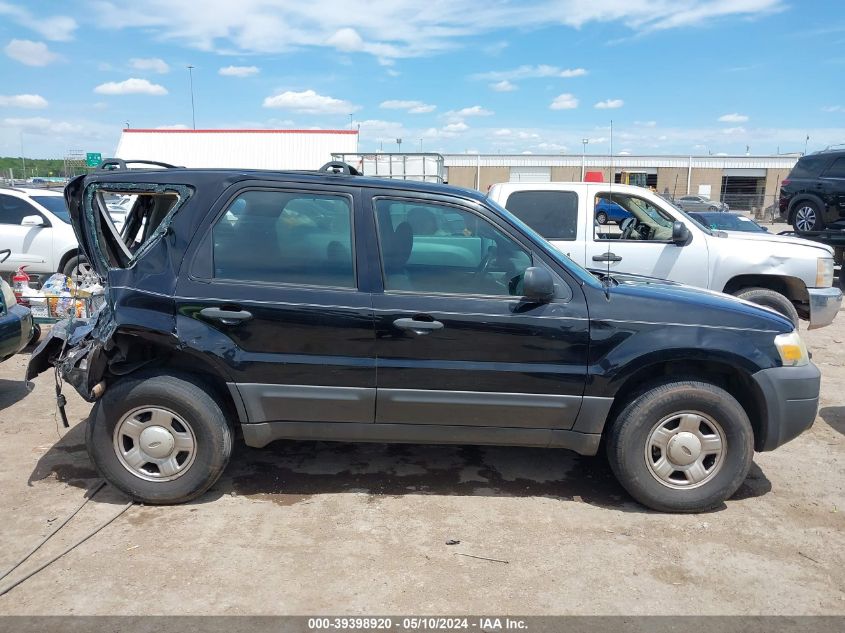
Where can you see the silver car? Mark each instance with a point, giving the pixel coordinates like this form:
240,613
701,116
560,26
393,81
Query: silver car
700,203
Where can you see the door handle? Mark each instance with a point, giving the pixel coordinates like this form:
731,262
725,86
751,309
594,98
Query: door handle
607,257
226,317
418,326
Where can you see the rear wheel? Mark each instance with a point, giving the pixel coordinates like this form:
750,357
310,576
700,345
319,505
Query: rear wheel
161,439
681,446
807,217
77,268
601,217
770,299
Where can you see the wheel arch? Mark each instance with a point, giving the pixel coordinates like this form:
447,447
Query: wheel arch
804,197
66,257
793,288
729,377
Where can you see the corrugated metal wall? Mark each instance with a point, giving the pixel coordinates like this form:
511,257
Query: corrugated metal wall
250,149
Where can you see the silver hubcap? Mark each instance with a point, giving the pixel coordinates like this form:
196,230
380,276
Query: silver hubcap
83,271
805,218
154,444
685,450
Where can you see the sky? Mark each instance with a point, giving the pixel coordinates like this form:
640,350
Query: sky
498,76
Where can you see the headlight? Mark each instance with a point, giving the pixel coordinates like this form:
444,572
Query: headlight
824,272
793,352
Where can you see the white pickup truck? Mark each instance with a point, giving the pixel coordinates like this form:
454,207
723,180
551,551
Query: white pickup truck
653,237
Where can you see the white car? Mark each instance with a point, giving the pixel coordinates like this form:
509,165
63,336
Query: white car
35,226
790,275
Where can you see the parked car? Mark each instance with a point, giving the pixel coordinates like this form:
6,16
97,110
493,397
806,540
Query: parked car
790,275
720,221
321,314
15,320
35,227
607,211
812,196
700,203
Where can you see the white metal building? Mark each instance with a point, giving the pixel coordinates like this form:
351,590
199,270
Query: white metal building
247,149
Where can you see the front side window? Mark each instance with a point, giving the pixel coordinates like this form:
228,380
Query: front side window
836,169
286,237
438,248
13,210
553,214
636,219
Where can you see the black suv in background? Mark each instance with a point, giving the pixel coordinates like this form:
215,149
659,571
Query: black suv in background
326,306
812,197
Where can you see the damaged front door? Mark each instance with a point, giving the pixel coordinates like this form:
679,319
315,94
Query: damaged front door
273,293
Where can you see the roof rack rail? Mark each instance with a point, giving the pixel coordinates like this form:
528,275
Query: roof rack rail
112,164
338,167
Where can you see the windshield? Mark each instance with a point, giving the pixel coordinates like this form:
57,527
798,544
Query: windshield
728,222
687,216
558,256
55,205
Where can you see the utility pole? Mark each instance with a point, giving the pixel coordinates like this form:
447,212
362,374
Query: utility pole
191,80
421,146
23,158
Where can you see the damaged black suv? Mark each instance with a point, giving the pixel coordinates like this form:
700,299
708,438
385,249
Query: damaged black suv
326,305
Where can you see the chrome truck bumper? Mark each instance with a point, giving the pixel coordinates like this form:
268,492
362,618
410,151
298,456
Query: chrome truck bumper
824,304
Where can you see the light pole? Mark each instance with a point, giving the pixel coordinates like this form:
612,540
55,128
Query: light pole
584,142
399,145
191,80
806,140
421,146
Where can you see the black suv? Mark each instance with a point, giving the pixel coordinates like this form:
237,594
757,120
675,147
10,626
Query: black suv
812,197
330,306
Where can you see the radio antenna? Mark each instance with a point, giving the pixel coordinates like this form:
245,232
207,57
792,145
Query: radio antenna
611,178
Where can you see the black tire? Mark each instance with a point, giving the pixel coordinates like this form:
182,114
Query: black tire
601,217
770,299
71,267
629,434
712,208
807,216
178,394
36,334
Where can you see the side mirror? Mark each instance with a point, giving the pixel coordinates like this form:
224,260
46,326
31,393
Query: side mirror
32,220
538,284
680,233
765,229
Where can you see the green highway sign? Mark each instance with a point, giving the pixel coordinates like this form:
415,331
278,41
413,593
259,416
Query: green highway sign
93,159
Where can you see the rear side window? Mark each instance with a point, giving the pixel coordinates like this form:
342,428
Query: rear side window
553,214
808,167
836,169
286,237
13,210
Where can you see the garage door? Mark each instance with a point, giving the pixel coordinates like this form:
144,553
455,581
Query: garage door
531,174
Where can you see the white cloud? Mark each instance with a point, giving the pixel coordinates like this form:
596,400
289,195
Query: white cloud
309,102
30,53
503,86
41,125
23,101
153,64
458,126
470,111
502,132
733,118
530,72
175,126
238,71
564,101
411,107
609,104
834,108
58,28
132,86
730,131
398,29
646,123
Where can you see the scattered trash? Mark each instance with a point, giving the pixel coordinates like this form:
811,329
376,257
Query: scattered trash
452,541
495,560
133,547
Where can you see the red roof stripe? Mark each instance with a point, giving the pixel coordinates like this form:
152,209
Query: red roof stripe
157,131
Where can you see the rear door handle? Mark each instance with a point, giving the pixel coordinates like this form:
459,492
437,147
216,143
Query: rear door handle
607,257
226,317
418,326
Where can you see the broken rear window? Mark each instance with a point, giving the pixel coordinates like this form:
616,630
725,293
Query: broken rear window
128,218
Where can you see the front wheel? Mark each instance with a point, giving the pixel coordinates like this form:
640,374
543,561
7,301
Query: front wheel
601,217
682,446
161,439
770,299
77,268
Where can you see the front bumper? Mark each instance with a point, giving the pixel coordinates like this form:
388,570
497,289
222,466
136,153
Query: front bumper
792,400
824,304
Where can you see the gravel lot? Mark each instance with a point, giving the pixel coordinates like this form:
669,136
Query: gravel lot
302,528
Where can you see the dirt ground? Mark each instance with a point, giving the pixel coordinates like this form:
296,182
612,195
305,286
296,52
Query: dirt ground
307,528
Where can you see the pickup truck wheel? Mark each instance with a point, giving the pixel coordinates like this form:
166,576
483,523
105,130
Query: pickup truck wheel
77,268
161,439
770,299
681,446
807,217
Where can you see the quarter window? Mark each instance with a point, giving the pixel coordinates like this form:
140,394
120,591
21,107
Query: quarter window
443,249
13,210
286,237
553,214
837,169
